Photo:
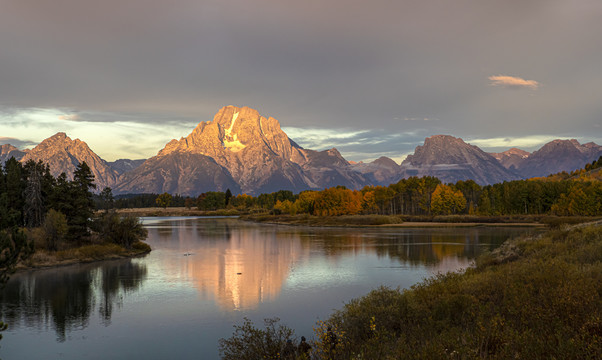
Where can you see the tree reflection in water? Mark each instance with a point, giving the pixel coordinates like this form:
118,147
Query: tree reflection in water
65,298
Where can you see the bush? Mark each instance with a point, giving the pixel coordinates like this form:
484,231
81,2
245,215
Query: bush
250,343
123,231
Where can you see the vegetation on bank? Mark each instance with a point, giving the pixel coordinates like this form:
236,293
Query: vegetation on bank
405,220
83,254
46,220
532,298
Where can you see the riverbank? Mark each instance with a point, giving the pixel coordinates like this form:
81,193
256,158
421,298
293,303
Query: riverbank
175,211
413,221
42,259
367,220
534,297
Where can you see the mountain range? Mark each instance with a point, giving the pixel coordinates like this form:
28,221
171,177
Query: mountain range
245,152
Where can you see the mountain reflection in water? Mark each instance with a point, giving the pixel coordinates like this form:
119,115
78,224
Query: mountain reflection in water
242,264
204,275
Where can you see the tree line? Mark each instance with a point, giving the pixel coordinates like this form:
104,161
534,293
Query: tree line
58,212
576,193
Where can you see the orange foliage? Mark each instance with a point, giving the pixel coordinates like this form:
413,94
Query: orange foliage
338,201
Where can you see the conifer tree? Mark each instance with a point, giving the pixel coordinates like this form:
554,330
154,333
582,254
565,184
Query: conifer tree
83,202
34,203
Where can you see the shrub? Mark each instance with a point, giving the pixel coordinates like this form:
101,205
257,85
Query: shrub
250,343
123,231
544,303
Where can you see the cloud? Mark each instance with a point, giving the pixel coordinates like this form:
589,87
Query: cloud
70,117
505,143
18,143
357,145
513,82
416,119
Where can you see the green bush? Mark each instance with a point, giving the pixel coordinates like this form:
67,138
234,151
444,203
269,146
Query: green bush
121,230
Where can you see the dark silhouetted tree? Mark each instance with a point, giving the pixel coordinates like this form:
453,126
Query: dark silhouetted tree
83,202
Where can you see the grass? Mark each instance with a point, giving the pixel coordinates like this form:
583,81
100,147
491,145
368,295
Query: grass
409,221
177,211
311,220
87,253
533,298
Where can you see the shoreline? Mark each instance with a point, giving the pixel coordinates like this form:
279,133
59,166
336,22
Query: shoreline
42,260
174,211
363,221
384,221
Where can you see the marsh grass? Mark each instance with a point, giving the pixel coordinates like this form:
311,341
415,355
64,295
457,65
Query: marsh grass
544,301
339,221
87,253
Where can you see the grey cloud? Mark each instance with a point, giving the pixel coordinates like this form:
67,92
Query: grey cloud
358,145
18,143
329,64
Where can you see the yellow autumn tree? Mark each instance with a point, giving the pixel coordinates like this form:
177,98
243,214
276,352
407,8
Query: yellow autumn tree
305,201
446,200
369,203
285,207
337,201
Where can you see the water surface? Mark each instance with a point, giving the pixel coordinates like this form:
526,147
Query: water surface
206,274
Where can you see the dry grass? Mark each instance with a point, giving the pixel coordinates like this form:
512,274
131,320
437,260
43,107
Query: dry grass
176,211
83,254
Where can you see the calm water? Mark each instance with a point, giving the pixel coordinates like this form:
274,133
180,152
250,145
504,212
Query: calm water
169,305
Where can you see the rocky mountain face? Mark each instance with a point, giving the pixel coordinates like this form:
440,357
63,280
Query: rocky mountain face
512,158
124,165
63,155
245,152
258,155
382,171
451,159
7,151
554,157
182,173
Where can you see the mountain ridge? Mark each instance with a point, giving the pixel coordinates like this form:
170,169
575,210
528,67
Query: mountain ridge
245,152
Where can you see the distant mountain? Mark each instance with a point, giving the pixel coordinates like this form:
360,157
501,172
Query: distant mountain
382,171
248,153
328,168
511,159
256,153
451,159
63,155
7,151
124,165
556,156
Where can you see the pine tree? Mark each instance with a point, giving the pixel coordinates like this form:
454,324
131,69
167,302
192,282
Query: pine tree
33,211
83,202
13,196
228,196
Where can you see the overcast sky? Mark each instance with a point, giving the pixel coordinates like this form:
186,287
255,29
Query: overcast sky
370,78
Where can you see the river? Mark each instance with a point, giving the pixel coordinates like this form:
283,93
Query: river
206,274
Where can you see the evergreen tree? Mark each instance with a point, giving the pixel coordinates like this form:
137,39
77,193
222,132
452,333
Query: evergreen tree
33,211
83,202
106,199
228,196
13,197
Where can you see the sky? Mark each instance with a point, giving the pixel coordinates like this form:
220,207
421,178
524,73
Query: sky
370,78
